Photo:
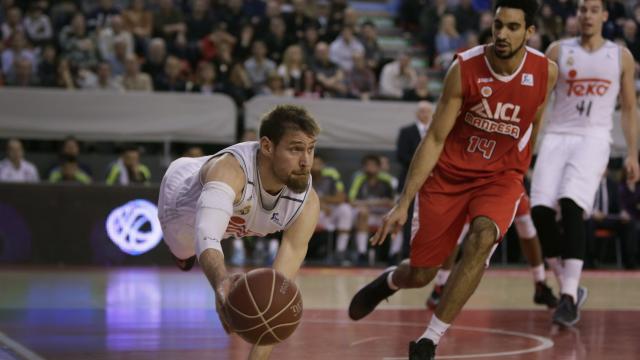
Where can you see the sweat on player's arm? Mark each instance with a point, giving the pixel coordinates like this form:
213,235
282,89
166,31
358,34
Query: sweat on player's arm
427,154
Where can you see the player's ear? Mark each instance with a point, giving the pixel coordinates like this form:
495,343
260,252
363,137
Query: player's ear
266,145
530,31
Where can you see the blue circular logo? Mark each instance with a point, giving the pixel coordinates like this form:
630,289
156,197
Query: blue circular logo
134,227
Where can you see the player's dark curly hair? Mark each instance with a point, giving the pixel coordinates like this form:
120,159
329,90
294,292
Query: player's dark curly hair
287,117
530,8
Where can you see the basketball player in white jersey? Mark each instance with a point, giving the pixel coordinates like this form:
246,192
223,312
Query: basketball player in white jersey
252,188
575,151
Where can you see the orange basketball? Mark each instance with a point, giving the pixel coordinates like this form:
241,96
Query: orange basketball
264,307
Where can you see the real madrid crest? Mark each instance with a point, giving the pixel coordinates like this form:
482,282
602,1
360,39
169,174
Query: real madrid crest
486,91
570,61
245,210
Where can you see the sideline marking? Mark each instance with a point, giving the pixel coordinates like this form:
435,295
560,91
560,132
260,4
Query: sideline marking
18,348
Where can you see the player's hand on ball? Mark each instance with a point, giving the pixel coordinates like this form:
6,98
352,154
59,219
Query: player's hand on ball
222,291
391,223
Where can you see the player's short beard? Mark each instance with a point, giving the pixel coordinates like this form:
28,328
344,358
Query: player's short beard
298,183
511,54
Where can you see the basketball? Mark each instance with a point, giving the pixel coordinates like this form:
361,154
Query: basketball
264,307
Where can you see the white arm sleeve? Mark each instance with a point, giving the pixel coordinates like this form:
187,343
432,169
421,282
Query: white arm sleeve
213,211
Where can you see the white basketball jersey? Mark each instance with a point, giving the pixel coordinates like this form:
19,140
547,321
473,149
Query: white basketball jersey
587,88
250,217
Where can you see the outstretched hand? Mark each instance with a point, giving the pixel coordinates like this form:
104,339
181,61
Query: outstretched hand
391,223
222,291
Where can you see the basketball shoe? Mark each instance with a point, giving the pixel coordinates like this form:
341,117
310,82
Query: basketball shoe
434,298
424,349
568,313
544,295
366,300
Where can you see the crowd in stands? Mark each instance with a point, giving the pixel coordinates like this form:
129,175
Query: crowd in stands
245,48
125,170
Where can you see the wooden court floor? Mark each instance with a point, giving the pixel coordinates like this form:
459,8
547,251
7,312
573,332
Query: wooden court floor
161,313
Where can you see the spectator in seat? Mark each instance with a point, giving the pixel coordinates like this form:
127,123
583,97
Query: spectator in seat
371,194
14,167
102,16
258,67
205,79
372,50
156,58
139,22
420,92
343,48
133,79
48,67
76,44
37,25
310,87
12,23
328,74
127,169
291,68
114,34
361,80
397,76
18,48
69,172
335,212
23,75
171,79
102,81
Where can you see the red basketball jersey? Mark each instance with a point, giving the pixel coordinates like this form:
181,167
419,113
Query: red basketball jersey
492,131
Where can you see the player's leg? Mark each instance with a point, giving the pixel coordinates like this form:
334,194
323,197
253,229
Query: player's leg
492,208
342,221
532,251
545,186
362,233
177,226
434,237
443,273
587,164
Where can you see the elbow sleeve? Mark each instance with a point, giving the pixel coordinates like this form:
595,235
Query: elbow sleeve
213,211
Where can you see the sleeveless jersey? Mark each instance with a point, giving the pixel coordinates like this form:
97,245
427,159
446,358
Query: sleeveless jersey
493,128
250,217
588,85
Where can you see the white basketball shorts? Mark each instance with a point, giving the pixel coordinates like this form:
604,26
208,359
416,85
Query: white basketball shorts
569,166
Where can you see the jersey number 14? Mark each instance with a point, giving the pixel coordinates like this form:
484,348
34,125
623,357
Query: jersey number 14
482,145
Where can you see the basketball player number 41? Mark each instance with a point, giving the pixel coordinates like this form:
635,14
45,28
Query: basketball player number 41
482,145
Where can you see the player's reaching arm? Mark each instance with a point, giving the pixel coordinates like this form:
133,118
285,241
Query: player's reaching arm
295,239
629,115
428,152
551,83
223,178
292,252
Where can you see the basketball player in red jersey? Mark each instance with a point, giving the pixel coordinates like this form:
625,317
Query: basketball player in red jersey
470,164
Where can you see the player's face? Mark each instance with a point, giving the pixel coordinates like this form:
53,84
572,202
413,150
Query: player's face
293,158
591,17
510,32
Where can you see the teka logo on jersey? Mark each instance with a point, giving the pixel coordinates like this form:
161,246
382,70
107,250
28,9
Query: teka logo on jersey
134,227
483,117
586,87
